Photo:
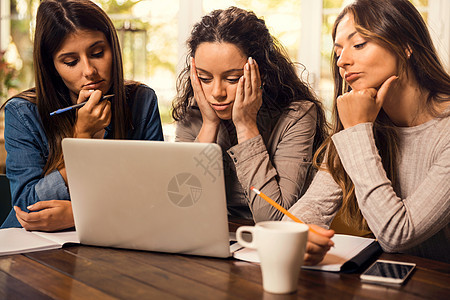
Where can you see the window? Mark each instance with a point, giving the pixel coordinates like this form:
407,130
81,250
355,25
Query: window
153,34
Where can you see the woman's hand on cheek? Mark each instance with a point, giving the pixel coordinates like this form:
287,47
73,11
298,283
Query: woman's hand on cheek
362,106
209,116
318,245
93,117
211,121
49,215
247,102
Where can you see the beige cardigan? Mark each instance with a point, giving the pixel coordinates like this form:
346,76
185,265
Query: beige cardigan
277,162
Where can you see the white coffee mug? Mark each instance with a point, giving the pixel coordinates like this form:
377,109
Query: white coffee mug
281,247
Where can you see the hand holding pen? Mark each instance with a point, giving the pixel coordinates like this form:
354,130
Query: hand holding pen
93,117
78,105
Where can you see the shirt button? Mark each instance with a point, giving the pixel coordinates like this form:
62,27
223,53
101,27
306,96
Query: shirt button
235,159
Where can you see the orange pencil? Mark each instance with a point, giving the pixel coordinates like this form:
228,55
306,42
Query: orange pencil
280,208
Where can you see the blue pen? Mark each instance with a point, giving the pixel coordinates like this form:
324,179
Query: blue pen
57,112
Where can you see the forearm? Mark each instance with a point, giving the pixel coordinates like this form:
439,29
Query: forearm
26,159
208,133
281,181
398,223
281,168
27,191
321,201
246,132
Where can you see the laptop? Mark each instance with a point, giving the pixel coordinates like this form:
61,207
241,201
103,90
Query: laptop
148,195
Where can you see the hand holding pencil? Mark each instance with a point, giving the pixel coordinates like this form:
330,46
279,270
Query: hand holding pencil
319,239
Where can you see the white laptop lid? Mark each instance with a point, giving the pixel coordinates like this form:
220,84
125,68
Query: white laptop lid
147,195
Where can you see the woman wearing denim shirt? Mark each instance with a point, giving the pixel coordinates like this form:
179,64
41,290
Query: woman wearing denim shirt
77,58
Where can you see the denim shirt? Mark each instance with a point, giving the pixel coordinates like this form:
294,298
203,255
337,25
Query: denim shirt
27,148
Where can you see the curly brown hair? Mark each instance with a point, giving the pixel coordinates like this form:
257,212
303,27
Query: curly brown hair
250,34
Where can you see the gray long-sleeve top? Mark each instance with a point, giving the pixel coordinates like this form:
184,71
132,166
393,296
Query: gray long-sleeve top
412,216
277,162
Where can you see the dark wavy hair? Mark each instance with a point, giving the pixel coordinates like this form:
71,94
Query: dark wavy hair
395,25
55,20
250,34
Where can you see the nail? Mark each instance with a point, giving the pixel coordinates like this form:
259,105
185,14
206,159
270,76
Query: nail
30,206
250,60
246,66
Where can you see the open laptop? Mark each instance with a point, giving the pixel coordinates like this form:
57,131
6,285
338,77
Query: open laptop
147,195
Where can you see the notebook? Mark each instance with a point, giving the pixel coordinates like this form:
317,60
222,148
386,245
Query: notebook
349,254
18,240
147,195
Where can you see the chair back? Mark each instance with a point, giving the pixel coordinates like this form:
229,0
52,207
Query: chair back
5,198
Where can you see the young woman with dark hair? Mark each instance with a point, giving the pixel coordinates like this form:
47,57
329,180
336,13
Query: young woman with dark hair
76,58
240,90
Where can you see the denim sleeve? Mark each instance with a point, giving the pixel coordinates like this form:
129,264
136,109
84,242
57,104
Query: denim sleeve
145,115
27,153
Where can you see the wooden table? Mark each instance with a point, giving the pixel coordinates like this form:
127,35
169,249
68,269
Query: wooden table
84,272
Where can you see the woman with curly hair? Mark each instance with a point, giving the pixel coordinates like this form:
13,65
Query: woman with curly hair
240,90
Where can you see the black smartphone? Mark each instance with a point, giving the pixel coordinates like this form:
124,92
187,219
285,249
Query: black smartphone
387,272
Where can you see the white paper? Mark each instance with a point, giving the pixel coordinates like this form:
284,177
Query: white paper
18,240
62,237
345,248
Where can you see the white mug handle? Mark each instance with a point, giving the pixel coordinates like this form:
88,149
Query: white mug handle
247,229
